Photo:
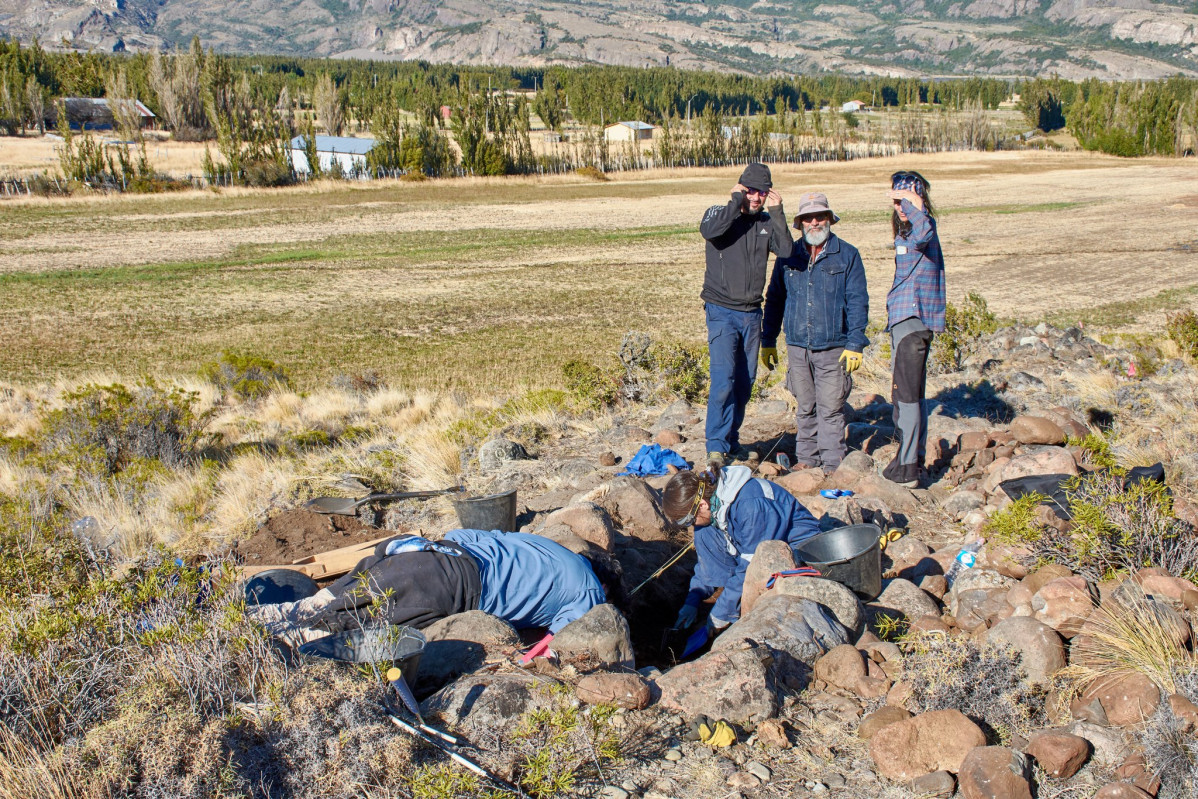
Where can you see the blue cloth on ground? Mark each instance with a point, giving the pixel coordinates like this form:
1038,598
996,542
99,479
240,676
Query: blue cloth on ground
528,580
651,459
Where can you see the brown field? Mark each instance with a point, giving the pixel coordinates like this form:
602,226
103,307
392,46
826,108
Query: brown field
491,284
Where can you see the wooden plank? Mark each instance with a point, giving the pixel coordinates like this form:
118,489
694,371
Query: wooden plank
334,553
330,564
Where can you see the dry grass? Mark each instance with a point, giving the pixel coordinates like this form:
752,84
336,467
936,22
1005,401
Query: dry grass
30,155
497,282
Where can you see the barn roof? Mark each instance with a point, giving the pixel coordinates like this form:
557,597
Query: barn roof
337,144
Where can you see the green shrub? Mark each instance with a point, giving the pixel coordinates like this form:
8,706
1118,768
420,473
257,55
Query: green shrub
246,376
590,386
562,744
1016,523
1097,448
106,429
591,173
963,326
1182,328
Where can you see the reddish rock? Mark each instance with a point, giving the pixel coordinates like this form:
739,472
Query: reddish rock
1005,559
843,666
1185,710
669,438
634,504
623,690
899,694
772,733
607,459
732,685
1036,430
1135,769
768,469
882,717
1159,583
1060,754
993,772
935,585
1047,460
1127,699
973,440
928,624
802,481
1064,604
586,520
769,558
935,741
937,785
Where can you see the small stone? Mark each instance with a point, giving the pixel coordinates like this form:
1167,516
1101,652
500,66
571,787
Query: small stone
628,785
759,771
607,459
669,438
673,755
937,785
612,792
834,781
772,732
819,788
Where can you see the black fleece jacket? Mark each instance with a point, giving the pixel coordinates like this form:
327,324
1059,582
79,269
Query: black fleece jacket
738,248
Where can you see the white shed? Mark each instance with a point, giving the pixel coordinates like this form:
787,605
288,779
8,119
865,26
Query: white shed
347,151
628,131
853,106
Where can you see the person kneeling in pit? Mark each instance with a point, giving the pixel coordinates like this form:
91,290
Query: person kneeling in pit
732,512
526,580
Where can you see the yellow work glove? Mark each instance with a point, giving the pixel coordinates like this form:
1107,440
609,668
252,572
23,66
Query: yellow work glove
716,734
769,357
851,360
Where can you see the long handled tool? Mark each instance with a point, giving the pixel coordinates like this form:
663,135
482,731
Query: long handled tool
345,506
677,557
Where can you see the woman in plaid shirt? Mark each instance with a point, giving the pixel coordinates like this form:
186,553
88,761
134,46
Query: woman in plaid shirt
914,311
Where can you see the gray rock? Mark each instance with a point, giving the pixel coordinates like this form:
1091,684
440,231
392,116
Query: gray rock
935,785
797,627
907,598
962,501
975,579
834,596
498,451
588,521
908,549
613,792
735,685
1042,650
759,771
601,634
1108,742
772,407
459,645
636,507
490,701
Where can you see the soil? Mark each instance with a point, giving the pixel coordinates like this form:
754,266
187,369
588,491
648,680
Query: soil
295,534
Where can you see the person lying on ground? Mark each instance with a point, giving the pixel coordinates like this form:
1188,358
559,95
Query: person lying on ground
732,512
526,580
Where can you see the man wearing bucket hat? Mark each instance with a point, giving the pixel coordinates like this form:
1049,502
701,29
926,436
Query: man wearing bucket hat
526,580
740,236
733,512
915,309
818,297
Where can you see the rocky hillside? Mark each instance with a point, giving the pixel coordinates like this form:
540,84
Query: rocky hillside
1072,38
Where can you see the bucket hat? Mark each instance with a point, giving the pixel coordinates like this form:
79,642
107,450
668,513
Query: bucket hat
814,202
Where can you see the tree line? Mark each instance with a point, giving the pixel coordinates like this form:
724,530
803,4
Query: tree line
249,107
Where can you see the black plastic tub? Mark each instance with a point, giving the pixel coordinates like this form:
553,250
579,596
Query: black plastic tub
492,512
849,555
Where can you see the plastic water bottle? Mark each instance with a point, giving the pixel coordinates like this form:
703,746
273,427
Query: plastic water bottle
966,559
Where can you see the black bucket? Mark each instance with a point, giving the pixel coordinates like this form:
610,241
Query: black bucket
849,555
402,645
492,512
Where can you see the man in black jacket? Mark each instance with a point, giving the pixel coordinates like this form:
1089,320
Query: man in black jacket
740,237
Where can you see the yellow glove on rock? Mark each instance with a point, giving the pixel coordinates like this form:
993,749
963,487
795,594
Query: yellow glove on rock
717,734
851,360
769,357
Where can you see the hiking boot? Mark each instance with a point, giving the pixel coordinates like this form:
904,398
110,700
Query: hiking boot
743,453
716,459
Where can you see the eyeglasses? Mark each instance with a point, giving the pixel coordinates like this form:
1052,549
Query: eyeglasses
825,216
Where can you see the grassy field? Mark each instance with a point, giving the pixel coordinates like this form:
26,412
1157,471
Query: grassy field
489,285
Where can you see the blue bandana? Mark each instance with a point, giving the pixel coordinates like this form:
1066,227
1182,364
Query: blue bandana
908,183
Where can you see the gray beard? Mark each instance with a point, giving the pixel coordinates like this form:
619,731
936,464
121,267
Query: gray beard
817,238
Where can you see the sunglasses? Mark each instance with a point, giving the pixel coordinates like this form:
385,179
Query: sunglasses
757,192
913,181
689,518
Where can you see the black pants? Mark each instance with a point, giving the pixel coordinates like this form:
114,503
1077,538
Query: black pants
908,389
412,588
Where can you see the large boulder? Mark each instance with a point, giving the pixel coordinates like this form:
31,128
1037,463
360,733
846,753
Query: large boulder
1064,604
843,667
586,520
1036,430
627,690
907,598
1042,650
935,741
1045,460
798,628
834,596
994,772
636,507
1127,699
601,636
734,685
488,701
498,451
801,482
769,558
458,645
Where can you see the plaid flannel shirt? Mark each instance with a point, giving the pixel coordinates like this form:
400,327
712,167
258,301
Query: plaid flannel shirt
918,288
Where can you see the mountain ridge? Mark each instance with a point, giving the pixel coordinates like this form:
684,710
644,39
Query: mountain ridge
1075,39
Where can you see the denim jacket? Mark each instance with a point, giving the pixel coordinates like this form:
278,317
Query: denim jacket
822,307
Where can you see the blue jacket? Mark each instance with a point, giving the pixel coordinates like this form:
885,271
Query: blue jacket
918,288
822,307
528,580
748,517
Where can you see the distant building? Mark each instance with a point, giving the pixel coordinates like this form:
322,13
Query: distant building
853,106
446,113
628,131
347,151
552,136
97,113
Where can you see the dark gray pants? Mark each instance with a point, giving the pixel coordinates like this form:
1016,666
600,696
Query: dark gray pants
910,341
821,386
